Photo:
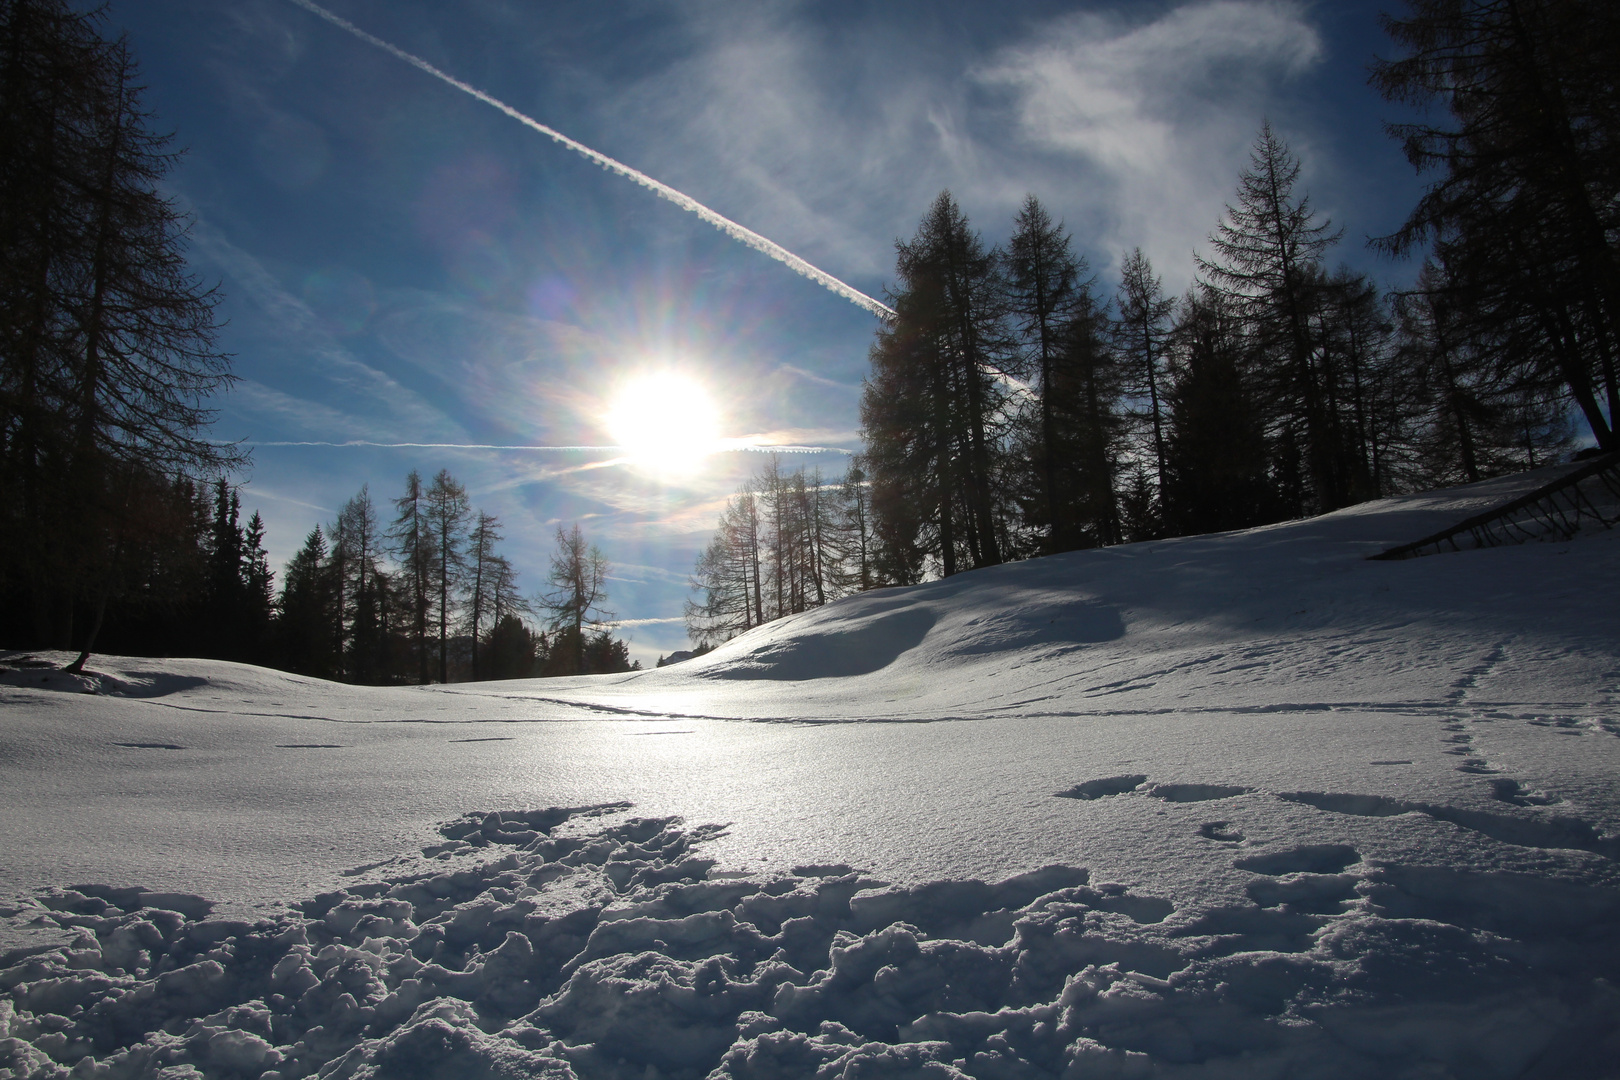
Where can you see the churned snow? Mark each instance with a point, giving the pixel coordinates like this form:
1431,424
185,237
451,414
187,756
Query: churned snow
1242,805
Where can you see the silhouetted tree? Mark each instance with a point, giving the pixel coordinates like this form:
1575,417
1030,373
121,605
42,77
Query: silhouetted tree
1215,447
411,541
1045,283
1267,262
931,408
305,615
578,580
1524,209
1141,333
446,516
107,342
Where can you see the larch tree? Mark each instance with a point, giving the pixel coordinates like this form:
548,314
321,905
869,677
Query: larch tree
1524,207
1267,261
411,540
107,342
1141,332
932,408
362,588
578,589
483,563
1044,280
446,516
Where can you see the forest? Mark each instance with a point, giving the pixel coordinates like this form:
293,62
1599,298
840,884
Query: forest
1015,409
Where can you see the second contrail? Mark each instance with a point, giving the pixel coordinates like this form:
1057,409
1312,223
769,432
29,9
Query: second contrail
681,199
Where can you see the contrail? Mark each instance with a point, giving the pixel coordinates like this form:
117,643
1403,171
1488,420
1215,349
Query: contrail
681,199
726,446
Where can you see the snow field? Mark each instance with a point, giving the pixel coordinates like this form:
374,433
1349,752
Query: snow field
521,947
1245,805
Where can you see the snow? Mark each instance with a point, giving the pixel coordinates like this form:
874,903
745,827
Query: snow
1238,805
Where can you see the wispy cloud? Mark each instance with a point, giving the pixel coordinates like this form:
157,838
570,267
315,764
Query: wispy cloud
1162,112
313,348
1132,129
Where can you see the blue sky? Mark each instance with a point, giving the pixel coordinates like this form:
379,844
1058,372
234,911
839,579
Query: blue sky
404,264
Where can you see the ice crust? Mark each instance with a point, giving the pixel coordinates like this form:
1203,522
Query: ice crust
587,943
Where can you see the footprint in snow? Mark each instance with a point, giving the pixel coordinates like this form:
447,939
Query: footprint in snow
1101,789
1306,859
1534,832
1184,793
1511,791
1217,830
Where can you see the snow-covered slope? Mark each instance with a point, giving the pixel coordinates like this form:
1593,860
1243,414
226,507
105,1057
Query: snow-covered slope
1237,805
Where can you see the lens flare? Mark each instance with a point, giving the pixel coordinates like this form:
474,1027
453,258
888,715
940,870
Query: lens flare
664,423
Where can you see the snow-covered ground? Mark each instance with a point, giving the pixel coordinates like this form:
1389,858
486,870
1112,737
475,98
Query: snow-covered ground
1243,805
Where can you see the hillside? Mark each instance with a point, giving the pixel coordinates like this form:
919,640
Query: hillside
1244,804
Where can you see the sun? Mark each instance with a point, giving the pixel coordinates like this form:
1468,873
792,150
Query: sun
664,422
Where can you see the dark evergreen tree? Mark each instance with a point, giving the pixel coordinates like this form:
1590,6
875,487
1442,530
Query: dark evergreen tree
446,515
1524,211
1215,447
1267,262
107,353
1045,282
513,651
1083,400
227,586
1141,334
931,409
305,615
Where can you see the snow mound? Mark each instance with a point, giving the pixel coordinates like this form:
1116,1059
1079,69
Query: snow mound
584,943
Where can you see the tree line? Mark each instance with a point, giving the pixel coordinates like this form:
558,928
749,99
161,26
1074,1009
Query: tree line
427,597
787,542
107,341
1014,408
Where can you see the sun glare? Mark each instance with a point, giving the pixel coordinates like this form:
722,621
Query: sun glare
664,423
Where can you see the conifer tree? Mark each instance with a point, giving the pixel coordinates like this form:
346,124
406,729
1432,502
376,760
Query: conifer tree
931,409
305,615
484,568
446,515
363,601
107,342
1083,400
856,560
578,580
1524,207
411,541
1141,335
1044,280
1215,448
1268,252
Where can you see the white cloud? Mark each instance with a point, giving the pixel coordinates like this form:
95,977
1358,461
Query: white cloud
834,143
1162,113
